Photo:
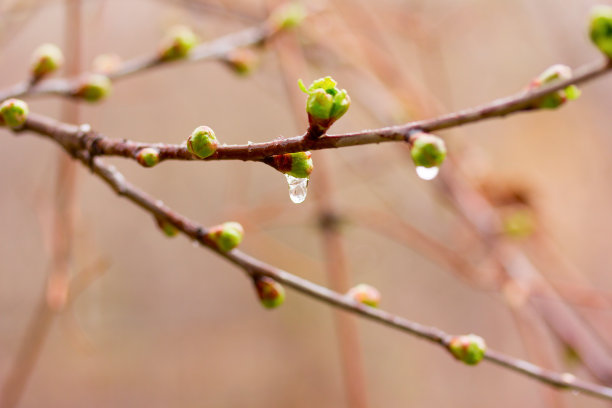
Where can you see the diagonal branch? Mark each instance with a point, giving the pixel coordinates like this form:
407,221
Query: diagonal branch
253,266
214,50
520,102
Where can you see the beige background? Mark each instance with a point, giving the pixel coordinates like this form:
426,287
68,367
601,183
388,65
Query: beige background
172,325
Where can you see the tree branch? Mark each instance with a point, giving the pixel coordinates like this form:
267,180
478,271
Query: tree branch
519,102
252,266
213,50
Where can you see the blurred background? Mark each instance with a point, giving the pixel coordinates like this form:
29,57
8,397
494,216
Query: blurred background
510,242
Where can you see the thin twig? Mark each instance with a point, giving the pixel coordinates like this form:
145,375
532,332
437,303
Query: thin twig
213,50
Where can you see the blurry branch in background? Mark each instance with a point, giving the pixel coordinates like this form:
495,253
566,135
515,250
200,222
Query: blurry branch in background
325,104
56,293
113,69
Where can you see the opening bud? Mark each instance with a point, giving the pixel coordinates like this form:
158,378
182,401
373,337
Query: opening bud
46,59
325,104
298,165
469,348
226,236
202,142
94,87
287,16
427,150
271,293
554,74
366,294
177,43
600,29
148,157
13,113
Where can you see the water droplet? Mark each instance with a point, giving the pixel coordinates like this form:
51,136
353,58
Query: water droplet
85,128
159,203
298,188
427,173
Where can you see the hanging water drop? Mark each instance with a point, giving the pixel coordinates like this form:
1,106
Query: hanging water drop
427,173
298,188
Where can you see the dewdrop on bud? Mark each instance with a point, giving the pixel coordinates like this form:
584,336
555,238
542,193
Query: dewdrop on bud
600,29
202,142
148,157
298,165
168,229
554,74
428,152
468,348
177,43
325,104
242,60
106,63
13,113
226,236
366,294
94,87
287,16
46,59
271,293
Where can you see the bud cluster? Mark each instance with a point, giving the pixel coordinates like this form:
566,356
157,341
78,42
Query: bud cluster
325,104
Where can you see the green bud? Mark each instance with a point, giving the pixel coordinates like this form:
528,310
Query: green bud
46,59
202,142
287,16
298,164
14,113
226,236
270,292
94,87
600,29
427,150
148,157
366,294
468,348
168,229
325,104
554,74
177,43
